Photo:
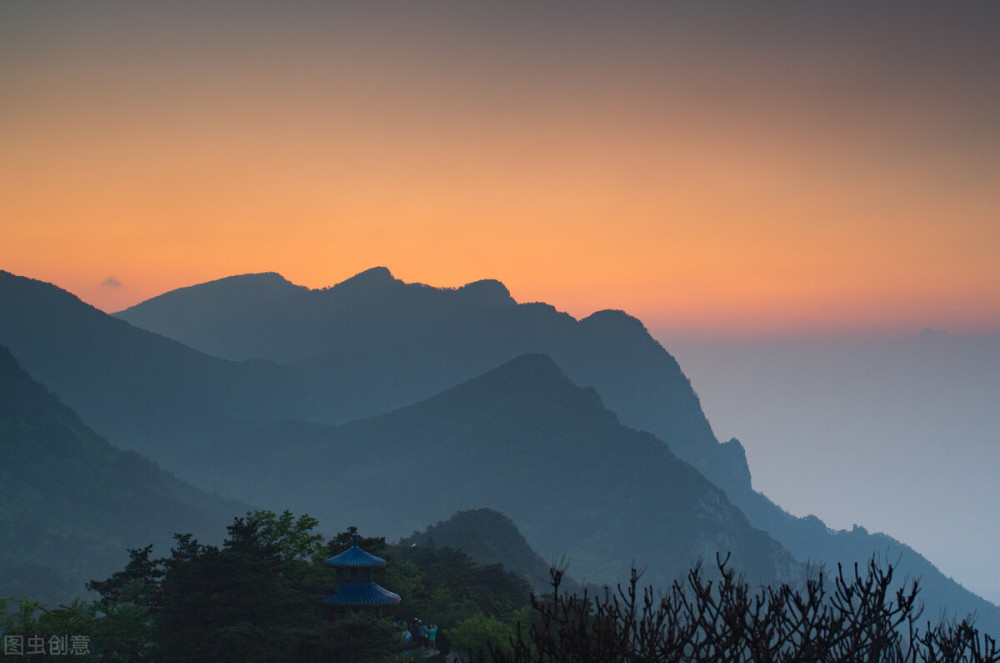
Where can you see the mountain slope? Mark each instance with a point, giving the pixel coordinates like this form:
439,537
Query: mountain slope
396,343
490,537
808,539
521,439
141,390
72,504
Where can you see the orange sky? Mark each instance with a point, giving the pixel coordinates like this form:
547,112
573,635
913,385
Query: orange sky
703,171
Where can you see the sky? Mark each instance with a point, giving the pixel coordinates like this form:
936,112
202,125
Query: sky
897,435
721,170
712,167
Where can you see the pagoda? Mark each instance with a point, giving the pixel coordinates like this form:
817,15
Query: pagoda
356,580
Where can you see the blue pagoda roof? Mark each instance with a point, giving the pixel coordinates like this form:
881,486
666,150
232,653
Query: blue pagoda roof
354,557
362,595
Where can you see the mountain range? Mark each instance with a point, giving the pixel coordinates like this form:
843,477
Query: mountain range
392,404
521,439
395,343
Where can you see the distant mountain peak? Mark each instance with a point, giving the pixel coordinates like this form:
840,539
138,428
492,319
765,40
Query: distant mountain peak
487,291
488,537
271,282
241,287
615,320
257,276
376,276
265,278
529,379
535,363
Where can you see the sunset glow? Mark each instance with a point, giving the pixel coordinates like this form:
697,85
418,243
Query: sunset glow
754,180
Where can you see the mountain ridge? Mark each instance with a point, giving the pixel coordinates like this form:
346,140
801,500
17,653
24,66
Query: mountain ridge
399,342
144,390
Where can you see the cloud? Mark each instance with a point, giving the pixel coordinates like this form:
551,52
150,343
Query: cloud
111,282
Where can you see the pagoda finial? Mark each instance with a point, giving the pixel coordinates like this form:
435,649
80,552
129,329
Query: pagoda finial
354,538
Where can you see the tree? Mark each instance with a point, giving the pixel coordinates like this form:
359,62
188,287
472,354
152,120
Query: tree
481,633
251,600
257,598
853,617
293,536
259,595
138,584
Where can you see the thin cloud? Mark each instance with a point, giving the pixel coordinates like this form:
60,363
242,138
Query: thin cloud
111,282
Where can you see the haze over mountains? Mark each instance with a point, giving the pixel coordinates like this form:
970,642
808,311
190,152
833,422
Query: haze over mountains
908,424
521,439
469,397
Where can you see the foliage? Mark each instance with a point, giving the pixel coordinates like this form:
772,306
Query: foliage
293,536
258,597
362,636
481,633
447,584
40,629
851,617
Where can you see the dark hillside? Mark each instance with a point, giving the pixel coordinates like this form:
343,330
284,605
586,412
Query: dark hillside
72,504
490,537
139,389
521,439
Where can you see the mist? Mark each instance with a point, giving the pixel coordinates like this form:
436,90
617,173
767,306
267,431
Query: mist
895,435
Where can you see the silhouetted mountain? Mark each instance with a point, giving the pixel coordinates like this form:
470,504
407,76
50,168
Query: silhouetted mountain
396,343
248,301
490,537
72,504
141,390
521,439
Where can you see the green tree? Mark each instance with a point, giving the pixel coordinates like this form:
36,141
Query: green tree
294,537
251,600
137,584
51,629
480,633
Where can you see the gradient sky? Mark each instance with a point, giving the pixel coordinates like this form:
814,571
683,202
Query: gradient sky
805,167
714,168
